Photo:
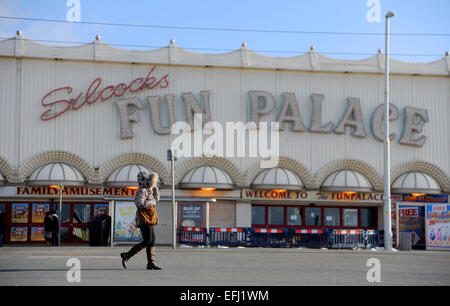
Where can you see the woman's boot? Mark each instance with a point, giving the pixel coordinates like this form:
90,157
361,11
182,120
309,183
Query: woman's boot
127,255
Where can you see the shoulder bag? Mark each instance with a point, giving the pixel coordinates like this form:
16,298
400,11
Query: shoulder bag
148,216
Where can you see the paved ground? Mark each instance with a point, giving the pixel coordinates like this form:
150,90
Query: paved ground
225,267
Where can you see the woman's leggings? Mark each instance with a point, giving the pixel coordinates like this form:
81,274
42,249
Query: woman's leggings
148,233
148,242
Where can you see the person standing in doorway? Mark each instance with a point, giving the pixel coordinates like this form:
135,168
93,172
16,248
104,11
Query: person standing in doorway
54,228
145,201
48,228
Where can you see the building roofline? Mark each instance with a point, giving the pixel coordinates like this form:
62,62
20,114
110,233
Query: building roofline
97,51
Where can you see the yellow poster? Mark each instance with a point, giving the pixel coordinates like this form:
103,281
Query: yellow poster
38,212
37,234
19,234
19,213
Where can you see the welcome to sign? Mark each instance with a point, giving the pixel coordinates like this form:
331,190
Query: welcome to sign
313,196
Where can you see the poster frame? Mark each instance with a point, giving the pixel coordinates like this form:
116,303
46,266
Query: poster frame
113,221
427,246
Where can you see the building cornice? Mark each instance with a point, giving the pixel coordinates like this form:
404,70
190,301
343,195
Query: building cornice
243,58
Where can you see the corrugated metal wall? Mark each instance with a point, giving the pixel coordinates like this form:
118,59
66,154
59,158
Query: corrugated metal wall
92,132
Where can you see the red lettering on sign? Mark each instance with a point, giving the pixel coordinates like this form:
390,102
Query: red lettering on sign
93,94
111,88
409,212
97,82
249,194
130,88
66,103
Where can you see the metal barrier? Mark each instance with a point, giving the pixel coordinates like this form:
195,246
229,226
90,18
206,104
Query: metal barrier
228,236
373,238
313,238
267,237
192,235
347,239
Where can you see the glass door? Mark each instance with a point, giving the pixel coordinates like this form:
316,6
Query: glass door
80,217
19,222
38,211
75,222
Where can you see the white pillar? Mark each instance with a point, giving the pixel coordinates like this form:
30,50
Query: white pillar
387,164
243,214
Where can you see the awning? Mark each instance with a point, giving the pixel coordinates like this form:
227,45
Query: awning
277,178
125,176
55,174
346,180
415,182
206,177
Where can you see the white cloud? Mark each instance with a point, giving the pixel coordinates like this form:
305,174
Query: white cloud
8,27
37,30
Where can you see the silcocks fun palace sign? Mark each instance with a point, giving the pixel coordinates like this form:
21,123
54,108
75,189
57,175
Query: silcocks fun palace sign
60,100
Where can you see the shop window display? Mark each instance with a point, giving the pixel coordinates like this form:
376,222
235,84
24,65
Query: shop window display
350,217
276,215
313,216
332,217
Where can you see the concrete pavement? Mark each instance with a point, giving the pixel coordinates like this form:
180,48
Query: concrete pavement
220,266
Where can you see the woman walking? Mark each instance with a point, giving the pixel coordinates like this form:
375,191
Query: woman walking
146,217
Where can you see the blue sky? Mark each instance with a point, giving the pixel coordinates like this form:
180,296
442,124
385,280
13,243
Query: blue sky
413,16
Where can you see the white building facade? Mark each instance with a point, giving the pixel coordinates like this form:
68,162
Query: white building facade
90,117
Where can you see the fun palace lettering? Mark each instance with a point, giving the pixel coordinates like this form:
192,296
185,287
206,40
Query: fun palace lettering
351,119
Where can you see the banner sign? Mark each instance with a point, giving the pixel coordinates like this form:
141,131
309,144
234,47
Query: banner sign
438,226
125,229
315,196
74,191
411,220
429,198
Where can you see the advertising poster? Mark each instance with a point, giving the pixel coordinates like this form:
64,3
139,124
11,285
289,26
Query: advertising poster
19,213
38,211
80,234
428,198
19,234
438,226
411,220
191,215
37,234
101,209
125,229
